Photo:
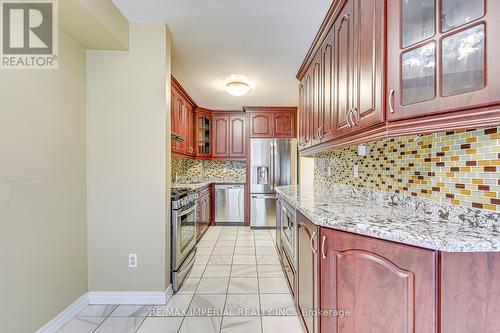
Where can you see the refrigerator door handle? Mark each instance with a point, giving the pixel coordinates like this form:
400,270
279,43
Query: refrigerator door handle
271,164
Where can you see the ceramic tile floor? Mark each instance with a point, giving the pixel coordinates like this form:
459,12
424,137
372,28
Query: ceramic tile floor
236,286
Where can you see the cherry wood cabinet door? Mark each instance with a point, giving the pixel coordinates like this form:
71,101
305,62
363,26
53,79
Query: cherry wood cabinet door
470,292
237,136
284,124
220,136
387,287
344,69
369,46
327,115
308,272
316,99
308,119
442,56
301,115
261,124
190,123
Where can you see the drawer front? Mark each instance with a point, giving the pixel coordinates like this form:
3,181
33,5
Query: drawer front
289,271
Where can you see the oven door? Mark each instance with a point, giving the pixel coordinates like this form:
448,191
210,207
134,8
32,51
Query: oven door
289,231
183,233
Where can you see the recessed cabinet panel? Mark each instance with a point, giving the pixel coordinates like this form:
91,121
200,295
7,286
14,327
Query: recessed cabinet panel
220,136
237,136
463,61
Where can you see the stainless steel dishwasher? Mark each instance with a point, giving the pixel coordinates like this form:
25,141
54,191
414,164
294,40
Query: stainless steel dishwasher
230,204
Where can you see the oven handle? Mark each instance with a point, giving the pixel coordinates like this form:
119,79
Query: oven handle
185,211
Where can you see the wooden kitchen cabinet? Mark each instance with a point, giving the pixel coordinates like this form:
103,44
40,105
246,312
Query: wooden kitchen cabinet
261,124
182,119
237,139
228,137
272,122
307,297
342,89
443,57
203,128
387,287
220,135
204,214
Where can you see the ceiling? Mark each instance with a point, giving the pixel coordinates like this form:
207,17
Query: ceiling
265,40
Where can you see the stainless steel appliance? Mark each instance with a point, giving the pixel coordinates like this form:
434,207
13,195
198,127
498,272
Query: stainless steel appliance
230,204
183,232
288,220
273,162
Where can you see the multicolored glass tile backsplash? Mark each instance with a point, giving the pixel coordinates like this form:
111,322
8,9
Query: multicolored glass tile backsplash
216,170
461,167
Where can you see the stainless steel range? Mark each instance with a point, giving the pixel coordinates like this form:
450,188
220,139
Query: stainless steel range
183,234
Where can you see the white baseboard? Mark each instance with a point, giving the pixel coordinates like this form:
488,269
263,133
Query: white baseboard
66,315
104,297
131,297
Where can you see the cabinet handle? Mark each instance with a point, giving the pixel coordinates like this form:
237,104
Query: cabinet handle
311,243
391,97
349,119
320,133
356,116
323,242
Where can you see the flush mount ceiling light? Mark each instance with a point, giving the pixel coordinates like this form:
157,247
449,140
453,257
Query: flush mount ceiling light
237,85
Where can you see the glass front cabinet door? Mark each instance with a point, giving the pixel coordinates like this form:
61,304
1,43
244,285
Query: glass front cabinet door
442,56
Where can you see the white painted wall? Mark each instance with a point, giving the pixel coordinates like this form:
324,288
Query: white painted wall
127,117
42,190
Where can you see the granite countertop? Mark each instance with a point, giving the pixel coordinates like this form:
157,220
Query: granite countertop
399,218
197,185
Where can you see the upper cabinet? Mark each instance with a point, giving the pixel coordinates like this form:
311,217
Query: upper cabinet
228,137
271,122
182,117
442,56
342,88
203,127
388,68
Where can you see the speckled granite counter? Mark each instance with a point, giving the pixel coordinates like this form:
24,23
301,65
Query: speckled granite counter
398,218
198,185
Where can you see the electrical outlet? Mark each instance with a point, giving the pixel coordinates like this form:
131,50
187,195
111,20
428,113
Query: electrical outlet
356,171
363,150
132,260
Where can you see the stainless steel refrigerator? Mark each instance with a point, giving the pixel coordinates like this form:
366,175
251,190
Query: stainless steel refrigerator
273,163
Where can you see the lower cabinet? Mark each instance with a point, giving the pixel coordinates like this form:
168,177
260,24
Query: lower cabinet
348,283
203,216
308,277
384,287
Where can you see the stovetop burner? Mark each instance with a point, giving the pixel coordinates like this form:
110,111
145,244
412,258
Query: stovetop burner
179,193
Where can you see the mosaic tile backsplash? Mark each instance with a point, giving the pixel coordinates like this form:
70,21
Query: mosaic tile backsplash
460,167
216,170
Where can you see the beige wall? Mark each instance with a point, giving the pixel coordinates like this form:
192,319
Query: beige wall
306,170
127,116
42,190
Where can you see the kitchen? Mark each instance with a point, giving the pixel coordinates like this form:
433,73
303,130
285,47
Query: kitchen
399,226
206,167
